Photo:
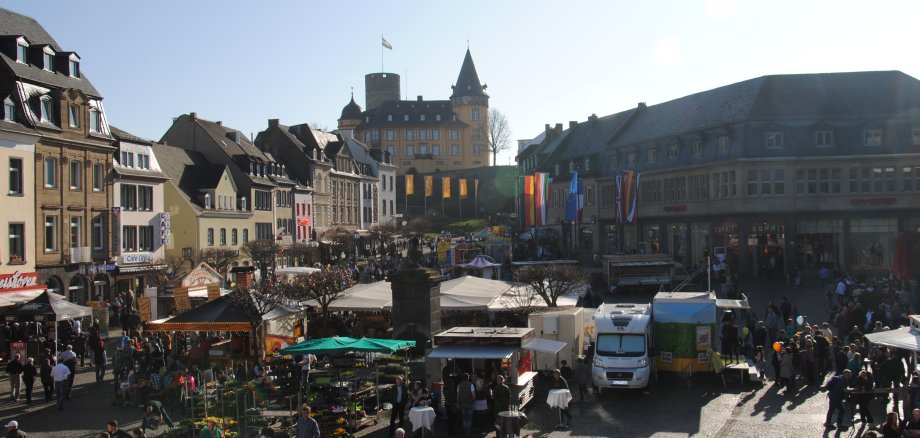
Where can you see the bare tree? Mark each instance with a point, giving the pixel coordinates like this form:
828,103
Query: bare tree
260,300
169,270
340,240
382,233
499,133
263,253
324,287
302,254
219,259
521,301
551,281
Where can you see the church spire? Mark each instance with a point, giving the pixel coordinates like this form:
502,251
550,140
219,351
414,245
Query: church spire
468,81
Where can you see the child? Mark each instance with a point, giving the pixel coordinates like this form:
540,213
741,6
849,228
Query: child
760,362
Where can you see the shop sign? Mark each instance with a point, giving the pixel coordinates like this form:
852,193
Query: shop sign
18,281
141,257
726,229
202,275
869,202
675,208
767,228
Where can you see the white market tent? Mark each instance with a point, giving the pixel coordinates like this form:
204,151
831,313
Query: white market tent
904,338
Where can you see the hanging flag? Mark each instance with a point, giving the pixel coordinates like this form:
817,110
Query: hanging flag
429,186
542,188
445,187
410,185
463,191
385,43
618,205
633,214
630,192
581,199
537,198
571,202
476,188
528,201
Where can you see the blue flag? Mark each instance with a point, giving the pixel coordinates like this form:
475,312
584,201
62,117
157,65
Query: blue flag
571,202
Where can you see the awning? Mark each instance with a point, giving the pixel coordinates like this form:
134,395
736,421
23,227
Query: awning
732,304
19,297
545,345
363,233
472,352
901,338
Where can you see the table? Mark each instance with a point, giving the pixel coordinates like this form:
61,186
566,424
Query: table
559,398
510,422
422,418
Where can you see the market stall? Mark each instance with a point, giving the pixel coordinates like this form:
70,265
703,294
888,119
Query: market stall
39,317
506,350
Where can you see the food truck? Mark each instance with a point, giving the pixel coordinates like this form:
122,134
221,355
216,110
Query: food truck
509,349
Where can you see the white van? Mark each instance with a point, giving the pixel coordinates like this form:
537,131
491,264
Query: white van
621,349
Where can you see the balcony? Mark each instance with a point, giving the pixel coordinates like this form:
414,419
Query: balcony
81,254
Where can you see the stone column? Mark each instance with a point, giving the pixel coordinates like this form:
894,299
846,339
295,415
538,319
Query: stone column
416,310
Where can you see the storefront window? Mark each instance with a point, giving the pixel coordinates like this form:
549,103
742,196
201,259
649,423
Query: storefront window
725,244
651,240
630,239
820,241
700,240
767,243
679,242
874,242
610,234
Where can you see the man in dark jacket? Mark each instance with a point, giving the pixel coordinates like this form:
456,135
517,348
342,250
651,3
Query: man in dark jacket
559,382
399,395
836,391
14,369
28,377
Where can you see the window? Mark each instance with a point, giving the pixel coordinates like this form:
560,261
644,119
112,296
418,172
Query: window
50,172
129,238
143,161
773,139
611,162
73,116
423,149
17,248
391,135
410,134
477,149
872,137
631,159
76,231
145,238
589,195
474,114
571,166
391,149
436,133
914,135
48,60
9,110
210,237
94,121
74,68
883,179
15,176
76,175
263,200
264,231
587,164
696,148
477,133
436,150
652,156
699,187
233,237
723,143
824,139
223,237
405,117
22,50
389,117
673,151
145,198
724,184
245,235
422,135
410,150
818,181
454,134
98,177
129,197
45,111
779,182
97,233
454,150
51,225
127,159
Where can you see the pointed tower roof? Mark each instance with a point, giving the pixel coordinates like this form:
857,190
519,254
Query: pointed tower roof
468,81
352,111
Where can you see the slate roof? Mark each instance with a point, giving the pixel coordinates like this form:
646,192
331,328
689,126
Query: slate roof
13,24
6,125
122,135
591,137
190,170
468,80
414,108
351,111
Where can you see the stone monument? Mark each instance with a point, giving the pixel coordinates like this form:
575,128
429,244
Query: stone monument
416,300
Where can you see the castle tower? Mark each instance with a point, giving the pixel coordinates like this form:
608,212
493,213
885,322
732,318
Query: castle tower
351,116
471,103
380,87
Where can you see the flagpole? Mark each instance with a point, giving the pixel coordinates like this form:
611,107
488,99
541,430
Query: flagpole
460,204
381,53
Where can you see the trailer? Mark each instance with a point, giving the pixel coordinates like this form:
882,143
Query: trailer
565,325
654,271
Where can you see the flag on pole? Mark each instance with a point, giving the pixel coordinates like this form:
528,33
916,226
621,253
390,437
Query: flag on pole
429,186
581,199
632,194
618,206
476,188
445,187
463,191
528,201
571,202
410,185
385,43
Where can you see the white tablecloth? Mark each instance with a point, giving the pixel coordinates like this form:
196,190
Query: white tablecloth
421,417
559,398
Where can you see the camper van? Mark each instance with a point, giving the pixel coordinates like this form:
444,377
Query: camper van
622,346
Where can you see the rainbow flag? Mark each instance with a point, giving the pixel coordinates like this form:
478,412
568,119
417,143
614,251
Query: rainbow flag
528,201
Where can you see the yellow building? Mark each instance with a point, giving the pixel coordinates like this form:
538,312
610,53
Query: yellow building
425,136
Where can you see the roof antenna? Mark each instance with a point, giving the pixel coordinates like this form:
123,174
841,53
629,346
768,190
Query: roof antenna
352,93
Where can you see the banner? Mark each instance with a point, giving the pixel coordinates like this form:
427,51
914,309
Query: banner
410,185
528,201
463,192
445,187
429,186
538,198
571,201
630,196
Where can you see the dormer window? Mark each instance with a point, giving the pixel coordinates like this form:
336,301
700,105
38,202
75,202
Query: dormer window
556,170
252,169
421,117
45,108
571,166
95,120
207,200
405,117
74,68
48,59
587,164
22,50
73,116
389,117
9,110
437,117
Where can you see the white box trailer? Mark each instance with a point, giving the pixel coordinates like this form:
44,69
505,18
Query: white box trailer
564,325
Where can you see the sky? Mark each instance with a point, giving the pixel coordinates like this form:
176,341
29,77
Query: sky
244,62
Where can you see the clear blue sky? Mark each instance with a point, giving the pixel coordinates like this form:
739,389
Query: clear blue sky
545,62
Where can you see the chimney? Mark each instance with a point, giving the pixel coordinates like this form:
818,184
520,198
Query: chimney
559,127
642,106
572,124
419,97
272,123
219,123
547,130
193,115
591,119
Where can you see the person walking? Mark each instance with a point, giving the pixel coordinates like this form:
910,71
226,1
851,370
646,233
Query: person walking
466,395
582,377
14,369
836,391
46,379
306,426
100,358
400,396
28,378
69,359
60,374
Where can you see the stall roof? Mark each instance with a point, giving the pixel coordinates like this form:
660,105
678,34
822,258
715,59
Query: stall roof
215,315
472,352
51,303
18,297
724,303
344,344
545,345
902,338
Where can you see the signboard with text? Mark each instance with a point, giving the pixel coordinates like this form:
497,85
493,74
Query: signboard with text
18,281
